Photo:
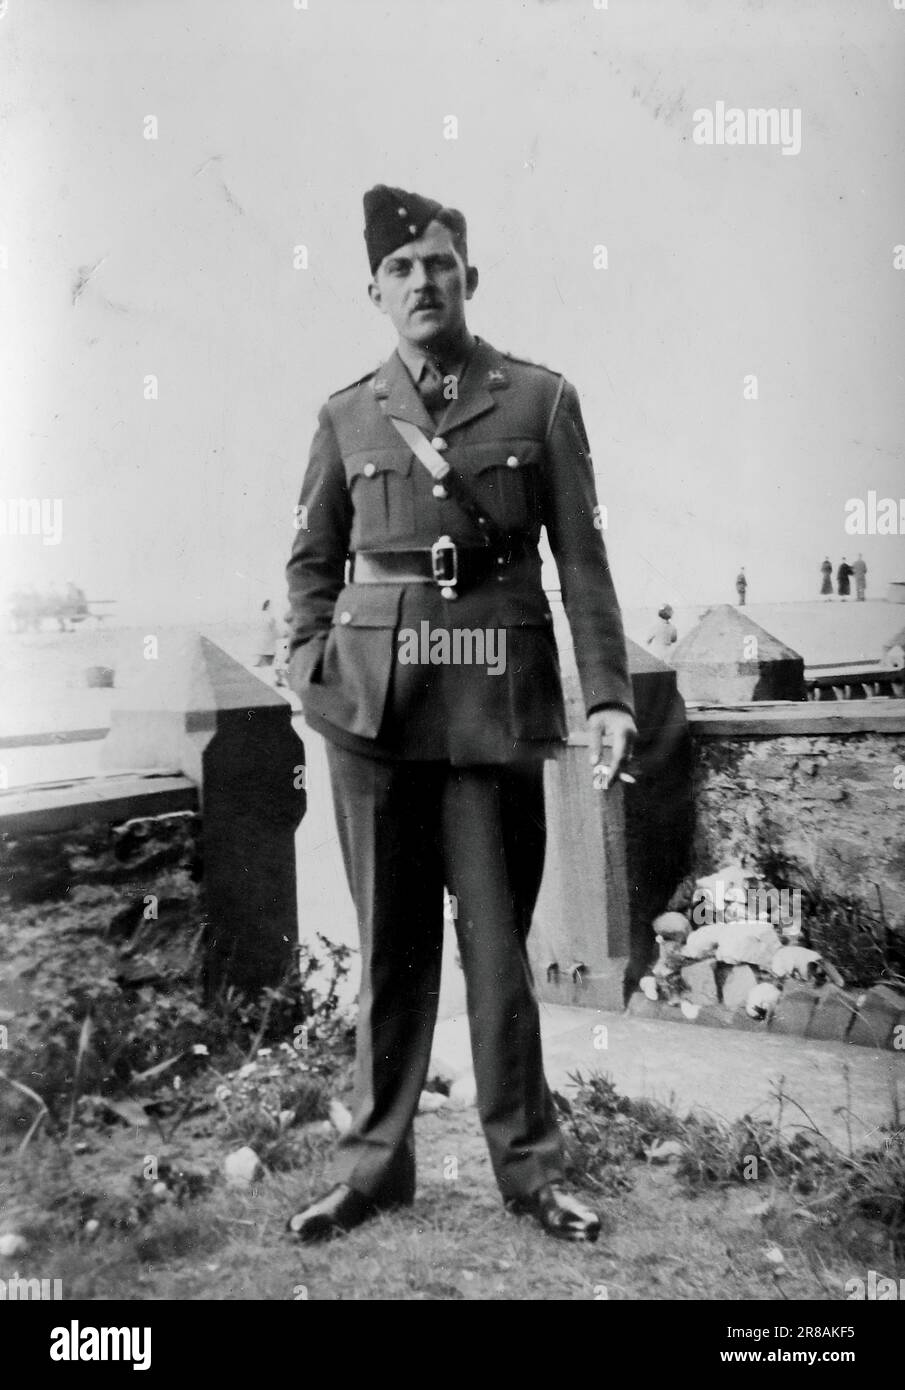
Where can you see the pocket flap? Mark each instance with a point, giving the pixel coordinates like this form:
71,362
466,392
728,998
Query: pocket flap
368,605
368,463
477,458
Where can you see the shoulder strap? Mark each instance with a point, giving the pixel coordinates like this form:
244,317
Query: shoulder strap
422,448
443,472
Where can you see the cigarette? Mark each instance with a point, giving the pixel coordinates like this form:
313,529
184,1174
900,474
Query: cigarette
623,776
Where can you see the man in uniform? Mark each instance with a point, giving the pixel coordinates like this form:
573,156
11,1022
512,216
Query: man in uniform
428,483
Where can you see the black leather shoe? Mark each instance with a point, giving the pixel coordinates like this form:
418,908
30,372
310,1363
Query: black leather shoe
559,1214
339,1211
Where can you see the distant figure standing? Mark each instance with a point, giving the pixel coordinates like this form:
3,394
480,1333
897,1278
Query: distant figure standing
663,634
843,575
741,586
268,634
859,570
826,583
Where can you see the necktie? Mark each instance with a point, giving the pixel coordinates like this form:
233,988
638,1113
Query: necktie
430,388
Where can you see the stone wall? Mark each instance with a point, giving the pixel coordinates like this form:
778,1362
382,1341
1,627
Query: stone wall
831,802
806,799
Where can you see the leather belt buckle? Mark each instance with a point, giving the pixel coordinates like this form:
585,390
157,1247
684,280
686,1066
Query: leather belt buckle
445,566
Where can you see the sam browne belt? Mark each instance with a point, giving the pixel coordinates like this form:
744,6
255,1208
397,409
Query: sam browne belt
452,567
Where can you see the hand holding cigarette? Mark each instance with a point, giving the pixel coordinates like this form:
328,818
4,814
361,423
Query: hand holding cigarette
615,729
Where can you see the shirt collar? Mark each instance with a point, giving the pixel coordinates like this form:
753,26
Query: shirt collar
415,359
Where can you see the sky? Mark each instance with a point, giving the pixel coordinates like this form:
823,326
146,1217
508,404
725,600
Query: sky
136,265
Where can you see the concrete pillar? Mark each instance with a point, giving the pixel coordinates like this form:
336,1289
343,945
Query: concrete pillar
579,942
196,710
613,858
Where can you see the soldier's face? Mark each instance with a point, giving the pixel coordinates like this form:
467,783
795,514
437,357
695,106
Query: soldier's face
423,287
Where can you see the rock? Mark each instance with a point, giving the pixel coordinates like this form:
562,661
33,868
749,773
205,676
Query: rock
700,981
689,1011
832,974
712,1016
12,1244
730,876
641,1006
880,1011
745,1023
464,1092
317,1129
242,1167
442,1070
795,961
702,942
648,987
738,984
672,926
834,1015
99,677
430,1101
762,1001
664,1150
340,1117
746,943
774,1256
794,1010
91,1228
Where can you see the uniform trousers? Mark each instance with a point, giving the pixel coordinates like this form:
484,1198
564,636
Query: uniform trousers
407,829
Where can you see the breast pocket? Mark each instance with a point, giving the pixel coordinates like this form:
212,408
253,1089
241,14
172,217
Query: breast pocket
380,485
505,476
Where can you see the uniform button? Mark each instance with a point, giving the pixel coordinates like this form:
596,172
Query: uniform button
412,228
448,593
439,491
402,212
345,617
369,470
439,444
512,461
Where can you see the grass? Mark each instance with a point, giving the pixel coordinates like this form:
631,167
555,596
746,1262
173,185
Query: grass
117,1183
851,1201
665,1234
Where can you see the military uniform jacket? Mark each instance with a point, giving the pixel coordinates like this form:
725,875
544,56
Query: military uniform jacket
516,432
